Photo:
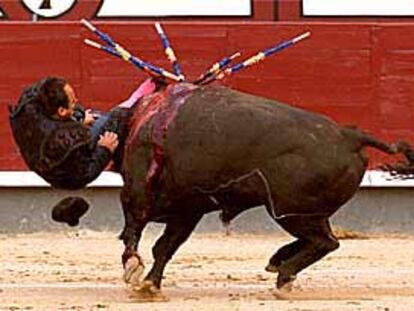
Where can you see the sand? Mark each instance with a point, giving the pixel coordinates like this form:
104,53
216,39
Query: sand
81,270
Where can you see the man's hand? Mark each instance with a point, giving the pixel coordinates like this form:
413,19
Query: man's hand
109,140
89,118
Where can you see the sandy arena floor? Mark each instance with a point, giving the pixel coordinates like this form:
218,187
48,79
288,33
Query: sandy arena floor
82,271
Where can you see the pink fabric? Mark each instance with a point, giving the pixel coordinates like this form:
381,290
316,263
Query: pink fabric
146,88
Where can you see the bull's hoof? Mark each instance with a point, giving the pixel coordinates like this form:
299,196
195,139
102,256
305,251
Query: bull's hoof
272,268
147,291
280,294
284,283
133,271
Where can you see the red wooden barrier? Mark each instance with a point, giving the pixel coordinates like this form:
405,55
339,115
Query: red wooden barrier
356,73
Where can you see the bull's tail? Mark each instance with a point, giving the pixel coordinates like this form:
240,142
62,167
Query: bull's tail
403,169
360,139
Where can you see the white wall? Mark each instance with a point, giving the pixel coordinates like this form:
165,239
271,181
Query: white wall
358,7
115,8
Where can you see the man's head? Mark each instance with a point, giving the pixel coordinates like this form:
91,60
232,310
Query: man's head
57,97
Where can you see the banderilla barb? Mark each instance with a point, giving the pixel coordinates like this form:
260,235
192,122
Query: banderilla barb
116,49
216,68
168,50
257,58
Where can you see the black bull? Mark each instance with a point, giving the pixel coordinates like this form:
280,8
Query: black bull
194,150
230,151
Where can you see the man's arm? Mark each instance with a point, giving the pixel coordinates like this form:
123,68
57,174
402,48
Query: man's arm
101,156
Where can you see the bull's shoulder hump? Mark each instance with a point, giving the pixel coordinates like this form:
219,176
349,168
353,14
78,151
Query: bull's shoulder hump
222,95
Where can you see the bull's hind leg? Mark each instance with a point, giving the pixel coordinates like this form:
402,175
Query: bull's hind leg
315,240
176,233
283,254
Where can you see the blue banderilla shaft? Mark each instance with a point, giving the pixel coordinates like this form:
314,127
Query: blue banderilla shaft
216,68
115,49
105,48
169,51
103,36
125,55
261,56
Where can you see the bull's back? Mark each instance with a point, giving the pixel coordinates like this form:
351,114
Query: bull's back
220,134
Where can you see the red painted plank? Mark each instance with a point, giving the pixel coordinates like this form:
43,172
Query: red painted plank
396,36
355,73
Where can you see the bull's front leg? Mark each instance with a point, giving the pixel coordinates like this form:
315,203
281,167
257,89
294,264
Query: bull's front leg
131,235
175,234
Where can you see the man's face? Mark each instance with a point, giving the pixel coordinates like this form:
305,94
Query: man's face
66,113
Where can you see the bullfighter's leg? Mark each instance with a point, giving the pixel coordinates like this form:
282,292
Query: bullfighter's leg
317,241
176,233
131,235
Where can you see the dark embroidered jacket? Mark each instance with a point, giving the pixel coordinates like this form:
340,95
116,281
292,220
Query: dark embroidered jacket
62,152
69,159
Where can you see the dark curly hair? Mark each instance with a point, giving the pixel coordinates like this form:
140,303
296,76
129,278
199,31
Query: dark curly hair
51,95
